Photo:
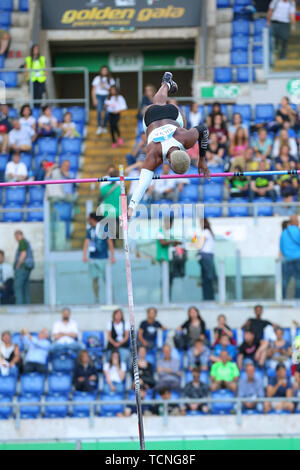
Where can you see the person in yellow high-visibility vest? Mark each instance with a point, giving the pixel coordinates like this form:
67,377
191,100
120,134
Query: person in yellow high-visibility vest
38,76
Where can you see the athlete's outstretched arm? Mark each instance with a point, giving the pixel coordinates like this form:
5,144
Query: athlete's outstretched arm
199,134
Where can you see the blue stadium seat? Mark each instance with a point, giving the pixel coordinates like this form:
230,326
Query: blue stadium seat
5,412
9,78
48,145
2,60
36,194
26,158
238,211
82,410
5,19
264,113
298,331
151,358
211,212
243,75
189,193
73,159
57,113
32,384
223,75
204,376
223,3
56,411
80,128
23,5
8,385
258,55
63,363
36,112
239,57
59,383
13,216
6,5
93,337
222,407
244,110
242,3
13,113
64,210
212,192
240,41
15,195
259,374
71,146
287,335
78,113
259,26
35,216
111,409
29,411
241,27
264,211
3,161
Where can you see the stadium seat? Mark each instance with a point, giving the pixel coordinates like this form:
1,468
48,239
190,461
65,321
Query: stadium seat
258,55
48,145
6,5
264,211
59,383
26,158
36,194
64,211
37,215
80,128
82,410
36,112
222,407
56,411
243,74
242,3
32,384
111,409
223,3
15,195
73,159
189,193
8,385
13,113
259,26
212,192
63,363
241,27
12,215
212,211
240,41
5,411
29,411
264,113
223,75
23,5
2,60
72,146
93,339
9,78
57,113
287,335
239,57
244,110
204,377
3,161
238,211
5,19
78,114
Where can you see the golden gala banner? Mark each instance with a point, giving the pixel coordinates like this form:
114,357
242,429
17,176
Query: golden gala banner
84,14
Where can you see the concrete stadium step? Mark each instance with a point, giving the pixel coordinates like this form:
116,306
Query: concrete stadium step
20,34
19,46
14,63
20,19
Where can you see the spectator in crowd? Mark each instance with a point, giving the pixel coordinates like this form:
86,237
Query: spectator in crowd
20,137
296,389
195,116
206,261
6,281
237,122
5,39
285,114
133,171
262,186
100,91
221,329
65,334
216,109
168,370
115,105
237,186
37,351
219,127
290,250
215,152
239,144
198,356
285,161
138,154
85,375
288,191
4,117
280,18
279,387
109,202
23,265
3,139
164,189
26,119
147,100
147,334
65,191
224,344
145,368
38,76
195,390
40,171
279,351
172,408
224,374
118,335
69,127
285,140
95,252
191,330
10,356
251,386
257,324
297,125
16,170
114,374
131,409
252,349
262,145
47,124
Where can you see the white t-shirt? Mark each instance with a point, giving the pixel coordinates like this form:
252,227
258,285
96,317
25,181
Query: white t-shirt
293,148
195,118
48,121
62,327
105,82
119,329
6,272
29,122
16,169
21,136
209,244
282,10
113,371
161,186
116,104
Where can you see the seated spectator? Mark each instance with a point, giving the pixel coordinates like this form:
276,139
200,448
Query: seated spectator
285,139
196,390
285,113
85,375
20,137
223,345
172,408
138,154
216,109
219,127
297,125
10,356
147,334
65,334
221,329
238,186
26,119
195,116
279,351
131,409
118,335
296,389
69,127
5,39
37,351
251,386
224,374
39,173
215,152
164,189
262,145
145,369
251,349
237,121
279,387
239,144
60,191
3,139
47,124
6,281
168,370
262,186
16,170
198,356
285,161
257,324
192,329
114,373
4,118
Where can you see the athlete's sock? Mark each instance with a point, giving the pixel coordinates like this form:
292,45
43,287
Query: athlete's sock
145,180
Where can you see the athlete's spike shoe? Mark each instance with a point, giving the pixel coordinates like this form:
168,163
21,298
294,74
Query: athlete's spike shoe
168,79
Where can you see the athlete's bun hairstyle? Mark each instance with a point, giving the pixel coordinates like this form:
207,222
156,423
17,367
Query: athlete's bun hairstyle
180,162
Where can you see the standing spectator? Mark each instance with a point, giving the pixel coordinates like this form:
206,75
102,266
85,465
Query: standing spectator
280,17
38,76
6,281
145,369
206,261
237,122
198,356
65,334
95,252
48,125
168,370
219,127
191,330
5,39
101,85
279,387
37,351
115,104
26,119
251,386
69,127
109,202
224,344
221,329
195,116
23,265
118,335
85,375
252,349
224,374
10,356
147,100
16,170
195,390
147,334
262,186
20,138
257,324
3,139
279,351
114,373
290,250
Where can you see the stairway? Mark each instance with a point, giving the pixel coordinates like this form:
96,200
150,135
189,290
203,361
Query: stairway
98,156
292,62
